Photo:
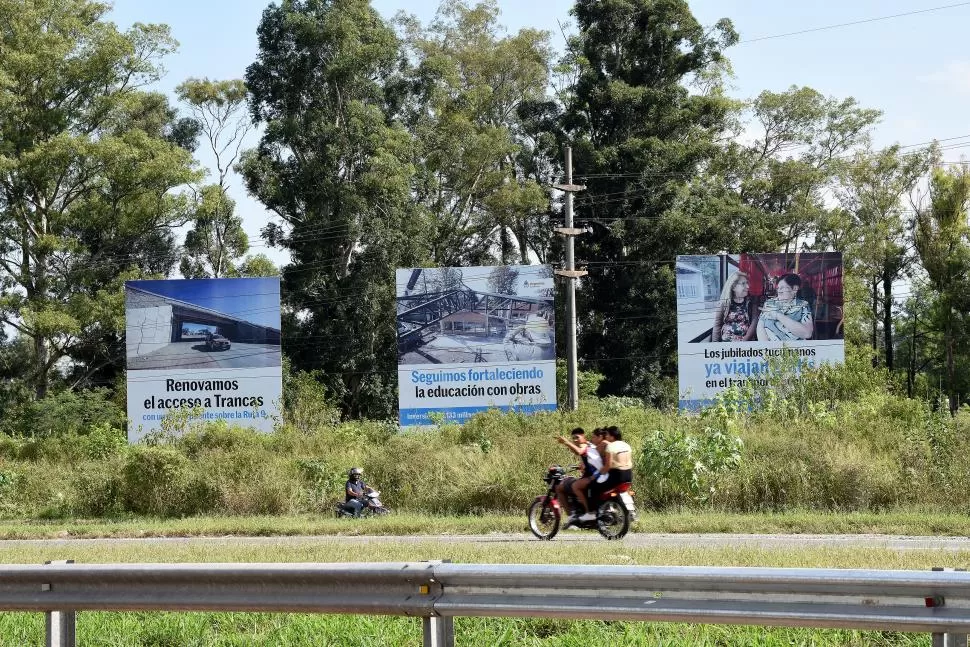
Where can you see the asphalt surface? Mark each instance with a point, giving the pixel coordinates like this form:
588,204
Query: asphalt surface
194,354
637,540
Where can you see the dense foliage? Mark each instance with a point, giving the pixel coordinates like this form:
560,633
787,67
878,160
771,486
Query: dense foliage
839,440
388,144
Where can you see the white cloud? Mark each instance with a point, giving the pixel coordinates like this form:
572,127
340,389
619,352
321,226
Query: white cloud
954,75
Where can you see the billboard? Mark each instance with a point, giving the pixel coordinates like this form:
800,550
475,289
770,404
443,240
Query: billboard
475,338
212,345
736,312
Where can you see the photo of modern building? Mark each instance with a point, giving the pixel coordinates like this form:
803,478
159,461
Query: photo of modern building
202,323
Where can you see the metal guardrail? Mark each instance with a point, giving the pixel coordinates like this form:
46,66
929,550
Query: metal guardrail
913,601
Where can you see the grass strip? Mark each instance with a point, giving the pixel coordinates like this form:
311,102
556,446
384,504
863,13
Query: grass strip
891,523
299,630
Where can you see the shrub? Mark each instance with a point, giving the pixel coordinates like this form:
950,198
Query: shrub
306,403
160,481
67,412
98,489
683,467
217,435
871,451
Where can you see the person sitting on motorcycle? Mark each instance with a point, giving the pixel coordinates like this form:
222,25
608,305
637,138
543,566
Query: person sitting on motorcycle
356,491
591,462
581,486
617,462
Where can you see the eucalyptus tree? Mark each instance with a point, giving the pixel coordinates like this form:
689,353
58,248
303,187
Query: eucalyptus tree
873,228
335,168
789,171
216,239
485,198
89,170
943,243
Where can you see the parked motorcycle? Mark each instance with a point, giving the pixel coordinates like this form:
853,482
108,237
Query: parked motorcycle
372,506
615,510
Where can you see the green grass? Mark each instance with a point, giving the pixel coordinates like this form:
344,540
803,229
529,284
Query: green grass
272,630
298,630
811,522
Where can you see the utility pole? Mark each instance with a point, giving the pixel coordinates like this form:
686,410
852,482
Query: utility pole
570,274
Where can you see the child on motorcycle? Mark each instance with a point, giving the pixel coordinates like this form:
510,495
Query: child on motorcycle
592,463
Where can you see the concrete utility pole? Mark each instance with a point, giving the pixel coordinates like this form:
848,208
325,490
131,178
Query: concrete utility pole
571,274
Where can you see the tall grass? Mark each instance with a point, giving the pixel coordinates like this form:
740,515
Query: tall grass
834,442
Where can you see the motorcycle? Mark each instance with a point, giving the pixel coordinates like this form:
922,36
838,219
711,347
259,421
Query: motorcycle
615,510
372,506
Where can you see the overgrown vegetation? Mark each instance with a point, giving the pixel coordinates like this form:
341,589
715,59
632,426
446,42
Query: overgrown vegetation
838,439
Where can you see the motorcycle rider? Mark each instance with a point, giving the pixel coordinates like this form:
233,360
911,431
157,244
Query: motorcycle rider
591,463
617,462
584,486
356,491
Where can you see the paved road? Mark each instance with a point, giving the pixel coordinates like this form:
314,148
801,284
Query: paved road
195,355
637,540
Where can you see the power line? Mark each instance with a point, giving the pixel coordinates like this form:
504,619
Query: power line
854,22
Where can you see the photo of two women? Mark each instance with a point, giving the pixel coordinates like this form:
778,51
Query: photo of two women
759,297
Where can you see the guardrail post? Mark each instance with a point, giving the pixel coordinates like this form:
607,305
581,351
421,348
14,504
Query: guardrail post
438,631
59,625
947,639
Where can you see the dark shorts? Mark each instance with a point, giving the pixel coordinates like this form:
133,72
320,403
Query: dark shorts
567,483
615,478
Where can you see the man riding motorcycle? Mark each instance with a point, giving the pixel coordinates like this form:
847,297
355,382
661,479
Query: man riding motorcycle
356,491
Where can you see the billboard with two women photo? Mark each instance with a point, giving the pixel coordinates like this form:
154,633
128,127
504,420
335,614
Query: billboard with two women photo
737,312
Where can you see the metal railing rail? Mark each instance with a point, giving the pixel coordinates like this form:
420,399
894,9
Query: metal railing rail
912,601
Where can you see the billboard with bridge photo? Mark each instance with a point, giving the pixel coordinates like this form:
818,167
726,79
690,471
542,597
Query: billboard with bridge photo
210,345
474,338
737,312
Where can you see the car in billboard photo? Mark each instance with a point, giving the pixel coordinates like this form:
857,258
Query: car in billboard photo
215,341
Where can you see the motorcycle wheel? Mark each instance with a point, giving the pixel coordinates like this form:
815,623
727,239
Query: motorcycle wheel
543,519
612,520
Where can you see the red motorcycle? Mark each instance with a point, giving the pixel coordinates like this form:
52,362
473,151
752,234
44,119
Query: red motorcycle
615,510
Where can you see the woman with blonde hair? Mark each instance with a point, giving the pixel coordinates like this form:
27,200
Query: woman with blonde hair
736,318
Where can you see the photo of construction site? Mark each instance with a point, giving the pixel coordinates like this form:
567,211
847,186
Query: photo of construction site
475,315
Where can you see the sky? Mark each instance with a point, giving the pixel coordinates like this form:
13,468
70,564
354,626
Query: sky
915,68
256,300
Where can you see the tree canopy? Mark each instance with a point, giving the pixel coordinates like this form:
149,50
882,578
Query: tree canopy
387,144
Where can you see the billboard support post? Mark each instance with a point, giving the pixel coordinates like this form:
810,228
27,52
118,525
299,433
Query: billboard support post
570,274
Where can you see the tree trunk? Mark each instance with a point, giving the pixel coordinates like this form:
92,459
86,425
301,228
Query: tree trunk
523,246
875,321
911,373
41,345
887,315
951,396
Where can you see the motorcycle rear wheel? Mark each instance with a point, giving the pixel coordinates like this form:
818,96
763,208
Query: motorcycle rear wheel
613,519
544,519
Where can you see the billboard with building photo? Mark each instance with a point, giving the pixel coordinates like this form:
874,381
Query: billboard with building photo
736,312
210,345
474,338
